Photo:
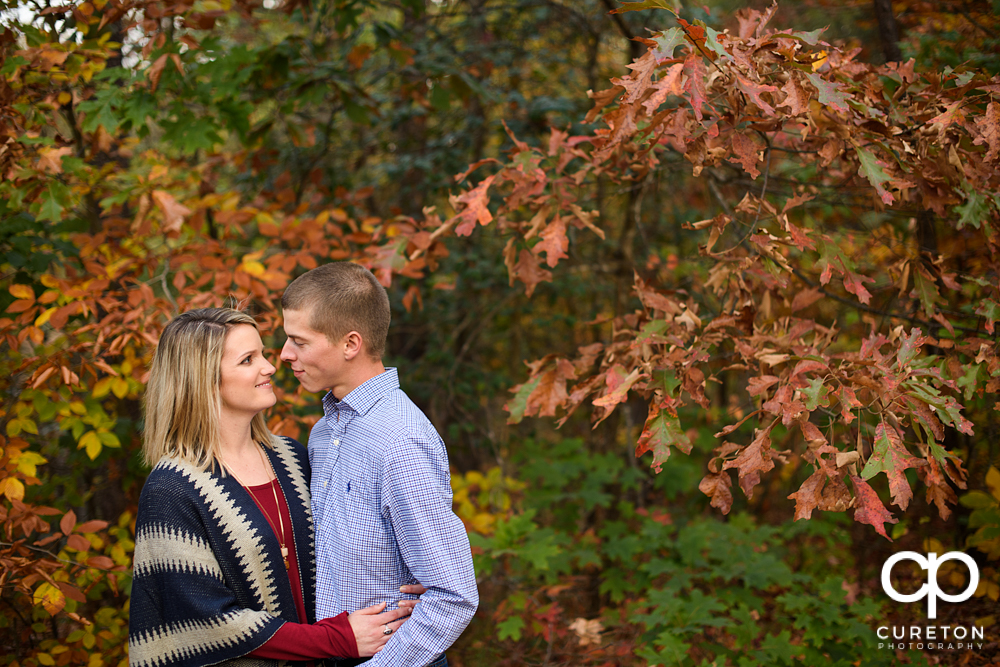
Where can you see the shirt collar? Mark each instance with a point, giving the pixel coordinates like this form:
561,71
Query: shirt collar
364,397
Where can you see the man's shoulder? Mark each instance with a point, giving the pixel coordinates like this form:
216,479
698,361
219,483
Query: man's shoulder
396,411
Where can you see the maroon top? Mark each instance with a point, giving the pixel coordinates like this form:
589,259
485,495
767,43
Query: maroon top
331,637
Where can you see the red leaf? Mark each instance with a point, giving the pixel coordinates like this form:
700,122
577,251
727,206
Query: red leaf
668,84
869,509
636,83
551,390
891,457
618,384
474,208
754,91
747,152
695,84
759,385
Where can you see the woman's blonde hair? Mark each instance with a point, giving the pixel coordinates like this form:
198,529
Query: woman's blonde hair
183,400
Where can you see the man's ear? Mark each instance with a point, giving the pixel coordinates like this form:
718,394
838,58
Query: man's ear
353,345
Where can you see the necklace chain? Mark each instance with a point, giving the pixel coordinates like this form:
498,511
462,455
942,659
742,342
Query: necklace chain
277,505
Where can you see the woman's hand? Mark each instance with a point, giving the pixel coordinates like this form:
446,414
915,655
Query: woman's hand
369,625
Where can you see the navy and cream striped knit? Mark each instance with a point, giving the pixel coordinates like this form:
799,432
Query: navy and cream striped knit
209,583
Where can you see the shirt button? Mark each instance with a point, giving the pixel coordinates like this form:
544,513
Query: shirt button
324,484
336,443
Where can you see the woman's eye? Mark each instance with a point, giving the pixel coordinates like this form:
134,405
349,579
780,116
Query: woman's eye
248,359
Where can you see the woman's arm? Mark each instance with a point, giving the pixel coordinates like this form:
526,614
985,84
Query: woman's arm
358,635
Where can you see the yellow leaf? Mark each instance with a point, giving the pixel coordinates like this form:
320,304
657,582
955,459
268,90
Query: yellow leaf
49,281
49,598
91,443
120,387
483,523
14,427
12,488
253,268
22,292
44,658
64,97
27,463
102,388
44,317
993,482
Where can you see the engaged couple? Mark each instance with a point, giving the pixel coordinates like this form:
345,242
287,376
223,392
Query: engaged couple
251,550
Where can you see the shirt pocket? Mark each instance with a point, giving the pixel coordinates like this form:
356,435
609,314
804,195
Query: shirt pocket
364,524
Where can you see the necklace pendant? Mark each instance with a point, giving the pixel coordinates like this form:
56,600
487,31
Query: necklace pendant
284,556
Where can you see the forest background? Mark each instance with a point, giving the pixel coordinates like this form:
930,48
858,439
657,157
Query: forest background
714,228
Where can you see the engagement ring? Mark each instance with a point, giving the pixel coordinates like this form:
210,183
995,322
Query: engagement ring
388,630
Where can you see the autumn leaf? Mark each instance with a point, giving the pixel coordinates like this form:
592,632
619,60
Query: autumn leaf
554,242
670,5
529,272
754,460
155,71
50,159
694,85
796,97
809,495
618,382
550,391
989,131
661,431
890,456
638,82
747,153
667,42
517,406
174,214
717,486
754,92
871,168
869,509
473,208
830,92
49,598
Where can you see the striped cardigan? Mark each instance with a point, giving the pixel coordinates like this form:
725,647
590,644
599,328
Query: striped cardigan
209,583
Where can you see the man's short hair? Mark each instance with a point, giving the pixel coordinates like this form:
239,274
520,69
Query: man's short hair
343,297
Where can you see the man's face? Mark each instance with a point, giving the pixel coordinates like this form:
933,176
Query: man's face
317,363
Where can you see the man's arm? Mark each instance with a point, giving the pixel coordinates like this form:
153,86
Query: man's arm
416,498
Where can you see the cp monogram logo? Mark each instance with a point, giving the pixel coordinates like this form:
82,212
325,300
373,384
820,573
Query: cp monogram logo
930,590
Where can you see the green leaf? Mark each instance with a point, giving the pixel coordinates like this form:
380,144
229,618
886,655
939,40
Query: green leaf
975,209
108,439
54,198
977,500
829,92
927,291
667,41
672,6
440,97
815,392
969,381
990,310
661,431
872,170
517,405
100,112
712,42
510,629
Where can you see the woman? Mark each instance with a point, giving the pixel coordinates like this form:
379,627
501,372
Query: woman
224,563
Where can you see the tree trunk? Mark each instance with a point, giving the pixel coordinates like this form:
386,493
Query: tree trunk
888,30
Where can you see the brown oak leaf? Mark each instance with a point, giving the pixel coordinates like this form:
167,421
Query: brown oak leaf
754,460
173,213
717,486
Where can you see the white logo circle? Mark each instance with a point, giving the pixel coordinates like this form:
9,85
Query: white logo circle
930,590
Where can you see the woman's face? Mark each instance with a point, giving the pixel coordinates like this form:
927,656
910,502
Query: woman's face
246,374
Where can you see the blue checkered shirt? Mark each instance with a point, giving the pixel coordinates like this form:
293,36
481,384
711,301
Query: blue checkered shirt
382,507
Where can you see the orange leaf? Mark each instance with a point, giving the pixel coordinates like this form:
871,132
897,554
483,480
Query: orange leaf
68,522
50,159
155,71
173,213
869,509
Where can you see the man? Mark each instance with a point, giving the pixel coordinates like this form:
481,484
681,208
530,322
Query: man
381,491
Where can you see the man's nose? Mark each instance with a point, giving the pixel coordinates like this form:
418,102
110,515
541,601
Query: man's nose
286,353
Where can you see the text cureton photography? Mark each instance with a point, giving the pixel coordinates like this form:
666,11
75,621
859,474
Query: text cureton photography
930,637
